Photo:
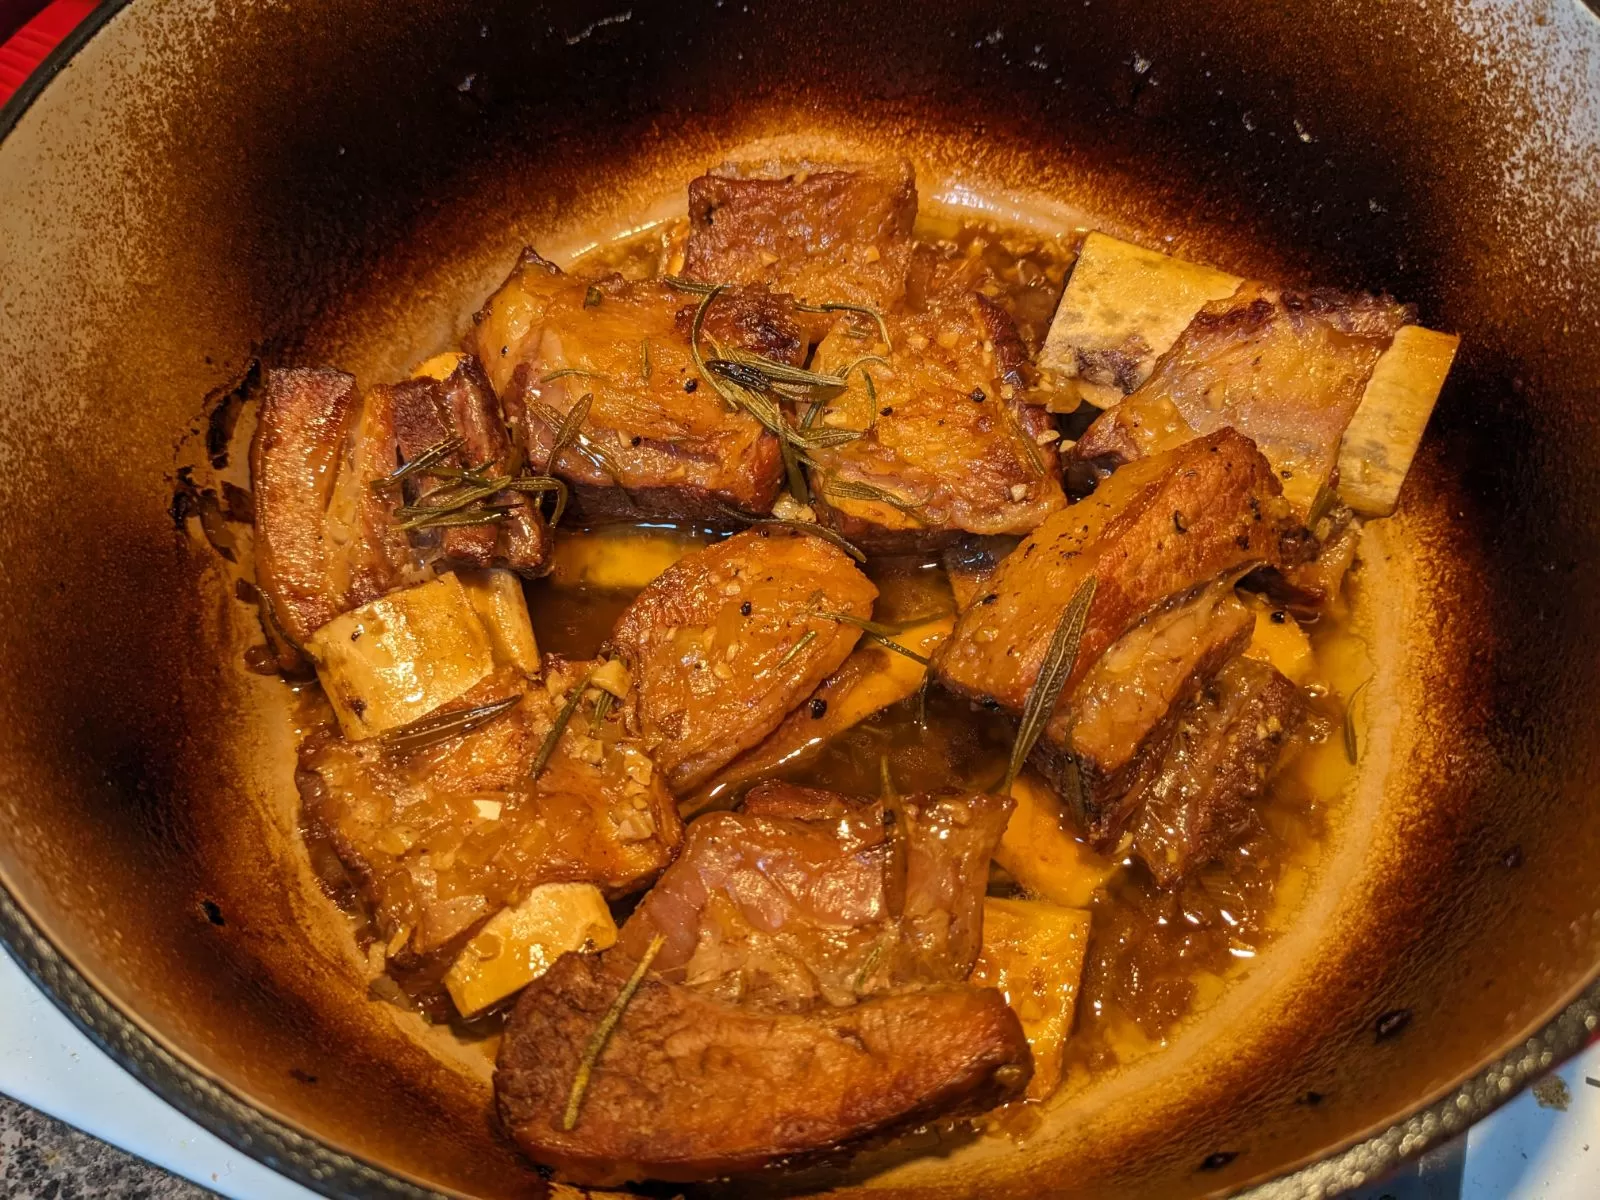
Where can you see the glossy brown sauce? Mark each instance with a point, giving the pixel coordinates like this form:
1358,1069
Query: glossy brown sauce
1156,957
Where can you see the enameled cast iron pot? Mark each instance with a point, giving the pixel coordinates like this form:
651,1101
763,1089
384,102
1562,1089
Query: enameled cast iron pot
205,183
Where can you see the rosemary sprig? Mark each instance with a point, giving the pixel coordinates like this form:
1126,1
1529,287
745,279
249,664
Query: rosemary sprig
1352,749
811,527
694,287
569,433
810,419
558,727
881,634
798,487
566,372
860,364
592,296
859,309
853,489
569,429
770,370
602,710
602,1033
645,369
457,518
827,439
738,377
538,484
475,476
1059,658
434,454
453,498
806,639
1321,505
745,377
441,727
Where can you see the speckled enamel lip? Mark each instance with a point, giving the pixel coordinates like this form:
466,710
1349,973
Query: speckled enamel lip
204,184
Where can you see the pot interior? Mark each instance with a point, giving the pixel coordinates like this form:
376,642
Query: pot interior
206,188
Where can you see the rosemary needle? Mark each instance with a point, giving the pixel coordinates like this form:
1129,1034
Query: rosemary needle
1352,748
809,637
441,727
833,306
436,453
878,633
811,527
602,1033
558,727
1059,658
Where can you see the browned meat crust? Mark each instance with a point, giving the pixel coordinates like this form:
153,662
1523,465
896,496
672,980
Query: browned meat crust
325,542
947,436
658,439
825,232
431,860
1127,707
1155,529
1286,369
857,896
1198,799
807,995
689,1088
729,639
428,412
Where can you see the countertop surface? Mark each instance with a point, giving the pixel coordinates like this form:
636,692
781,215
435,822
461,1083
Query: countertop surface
43,1159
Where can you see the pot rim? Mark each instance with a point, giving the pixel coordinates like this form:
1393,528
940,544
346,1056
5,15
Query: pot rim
1358,1159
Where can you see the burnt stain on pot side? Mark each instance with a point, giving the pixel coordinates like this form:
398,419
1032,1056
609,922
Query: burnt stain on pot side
352,202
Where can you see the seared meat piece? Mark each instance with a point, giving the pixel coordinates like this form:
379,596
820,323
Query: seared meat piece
824,231
806,897
429,412
730,638
1286,369
949,446
325,541
806,995
1127,706
1155,529
689,1088
657,438
441,837
1197,800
